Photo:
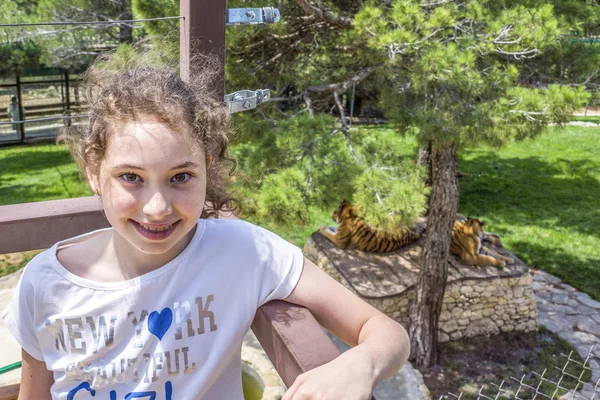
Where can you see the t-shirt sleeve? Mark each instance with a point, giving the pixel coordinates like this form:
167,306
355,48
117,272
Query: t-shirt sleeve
19,316
280,263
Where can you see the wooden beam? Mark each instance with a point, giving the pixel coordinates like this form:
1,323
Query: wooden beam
202,30
292,338
10,392
32,226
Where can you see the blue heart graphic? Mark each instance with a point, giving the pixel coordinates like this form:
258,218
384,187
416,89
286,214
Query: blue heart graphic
158,324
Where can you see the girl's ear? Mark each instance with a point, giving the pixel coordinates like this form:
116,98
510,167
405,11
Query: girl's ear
93,181
208,159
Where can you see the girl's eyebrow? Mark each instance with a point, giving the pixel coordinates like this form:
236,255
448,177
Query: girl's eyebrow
187,164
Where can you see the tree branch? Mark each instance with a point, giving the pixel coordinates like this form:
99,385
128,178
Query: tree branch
324,13
518,55
436,3
336,96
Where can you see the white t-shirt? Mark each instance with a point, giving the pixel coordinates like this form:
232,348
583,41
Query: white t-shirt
174,333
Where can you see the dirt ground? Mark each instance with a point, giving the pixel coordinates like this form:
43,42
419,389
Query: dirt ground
466,365
590,112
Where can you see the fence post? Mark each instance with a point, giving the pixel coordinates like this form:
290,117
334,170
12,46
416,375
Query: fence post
20,103
202,30
67,122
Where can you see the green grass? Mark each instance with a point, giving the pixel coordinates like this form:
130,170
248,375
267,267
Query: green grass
541,195
588,118
37,173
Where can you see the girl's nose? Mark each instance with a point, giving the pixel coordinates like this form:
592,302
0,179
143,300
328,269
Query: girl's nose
158,205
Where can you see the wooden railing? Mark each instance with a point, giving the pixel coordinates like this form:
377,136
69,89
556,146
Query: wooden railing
289,334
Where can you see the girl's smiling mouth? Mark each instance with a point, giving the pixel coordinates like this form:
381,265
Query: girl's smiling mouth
155,232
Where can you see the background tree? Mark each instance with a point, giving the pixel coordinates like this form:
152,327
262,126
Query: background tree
68,46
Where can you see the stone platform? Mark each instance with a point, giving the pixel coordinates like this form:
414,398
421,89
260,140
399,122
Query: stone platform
478,300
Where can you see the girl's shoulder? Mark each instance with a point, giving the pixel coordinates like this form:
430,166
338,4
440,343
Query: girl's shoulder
77,254
237,230
44,267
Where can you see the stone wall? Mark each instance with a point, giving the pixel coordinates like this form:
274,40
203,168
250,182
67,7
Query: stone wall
471,307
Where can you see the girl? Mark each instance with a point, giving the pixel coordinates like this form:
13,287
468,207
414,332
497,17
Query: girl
157,305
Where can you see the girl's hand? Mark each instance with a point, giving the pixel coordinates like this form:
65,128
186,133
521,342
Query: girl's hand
347,377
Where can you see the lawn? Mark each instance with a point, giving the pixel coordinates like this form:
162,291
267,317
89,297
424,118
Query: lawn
541,195
587,118
37,173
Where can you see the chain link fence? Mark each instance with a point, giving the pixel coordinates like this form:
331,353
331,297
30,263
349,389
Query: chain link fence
576,380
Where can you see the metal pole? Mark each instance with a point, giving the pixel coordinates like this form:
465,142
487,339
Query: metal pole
67,99
20,103
202,29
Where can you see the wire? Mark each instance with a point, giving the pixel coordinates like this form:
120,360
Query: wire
45,119
90,22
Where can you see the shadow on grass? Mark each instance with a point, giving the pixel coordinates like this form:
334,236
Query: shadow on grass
579,272
31,161
69,185
533,192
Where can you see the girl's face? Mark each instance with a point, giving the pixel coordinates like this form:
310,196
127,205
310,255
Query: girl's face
152,183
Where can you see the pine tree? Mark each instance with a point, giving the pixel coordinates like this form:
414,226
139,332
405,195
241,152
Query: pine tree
453,73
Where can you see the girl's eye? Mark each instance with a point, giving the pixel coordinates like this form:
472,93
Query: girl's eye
131,178
181,178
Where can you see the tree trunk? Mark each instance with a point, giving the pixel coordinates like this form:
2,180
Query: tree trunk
424,160
425,311
125,30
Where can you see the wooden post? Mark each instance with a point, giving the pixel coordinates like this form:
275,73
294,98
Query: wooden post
202,29
67,100
21,126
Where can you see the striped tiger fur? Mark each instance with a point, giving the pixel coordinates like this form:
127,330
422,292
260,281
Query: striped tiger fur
354,233
467,243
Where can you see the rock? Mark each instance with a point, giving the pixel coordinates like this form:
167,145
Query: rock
443,337
539,285
543,276
589,302
553,326
567,288
543,295
588,326
526,280
579,338
450,327
484,326
456,335
560,298
521,327
466,289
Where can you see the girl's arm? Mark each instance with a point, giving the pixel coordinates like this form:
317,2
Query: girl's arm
382,345
36,380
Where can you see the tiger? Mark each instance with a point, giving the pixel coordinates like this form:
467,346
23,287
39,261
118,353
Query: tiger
467,243
354,233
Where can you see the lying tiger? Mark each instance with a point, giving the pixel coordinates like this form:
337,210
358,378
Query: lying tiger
467,243
354,233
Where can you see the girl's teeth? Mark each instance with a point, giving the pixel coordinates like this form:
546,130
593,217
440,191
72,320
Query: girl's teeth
156,229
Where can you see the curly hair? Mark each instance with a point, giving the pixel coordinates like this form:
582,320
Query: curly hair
130,85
